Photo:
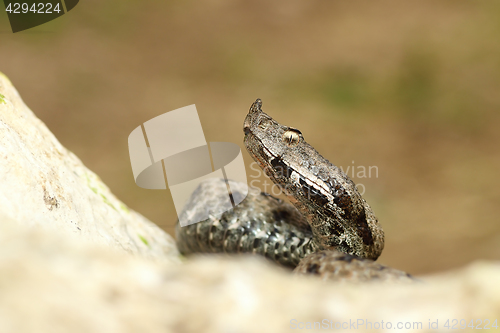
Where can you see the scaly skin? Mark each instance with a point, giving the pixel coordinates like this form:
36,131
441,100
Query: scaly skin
331,232
339,217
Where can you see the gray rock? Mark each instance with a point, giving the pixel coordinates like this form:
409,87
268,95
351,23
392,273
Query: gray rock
42,183
50,283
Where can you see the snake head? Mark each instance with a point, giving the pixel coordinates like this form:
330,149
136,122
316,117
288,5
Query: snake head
271,134
320,190
262,132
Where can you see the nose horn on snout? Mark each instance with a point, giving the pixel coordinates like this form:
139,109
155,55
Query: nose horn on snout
256,106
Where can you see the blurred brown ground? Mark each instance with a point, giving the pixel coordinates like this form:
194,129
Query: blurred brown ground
411,87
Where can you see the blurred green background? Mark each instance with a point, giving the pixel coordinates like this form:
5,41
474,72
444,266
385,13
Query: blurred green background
411,87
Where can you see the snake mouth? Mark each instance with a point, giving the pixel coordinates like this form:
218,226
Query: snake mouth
253,143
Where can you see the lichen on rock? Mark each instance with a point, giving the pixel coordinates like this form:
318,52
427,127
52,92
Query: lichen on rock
42,183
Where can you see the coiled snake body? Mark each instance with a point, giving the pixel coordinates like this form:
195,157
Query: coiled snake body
330,230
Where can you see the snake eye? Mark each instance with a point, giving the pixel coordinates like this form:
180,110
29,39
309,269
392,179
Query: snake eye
265,123
292,137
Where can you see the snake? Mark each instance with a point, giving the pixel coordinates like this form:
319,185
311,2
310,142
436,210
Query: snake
327,228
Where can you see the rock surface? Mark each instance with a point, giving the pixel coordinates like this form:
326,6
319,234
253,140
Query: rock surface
42,183
66,265
51,283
